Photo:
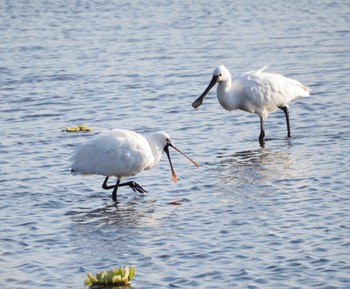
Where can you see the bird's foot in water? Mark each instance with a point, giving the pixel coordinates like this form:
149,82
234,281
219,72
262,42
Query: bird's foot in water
262,143
136,187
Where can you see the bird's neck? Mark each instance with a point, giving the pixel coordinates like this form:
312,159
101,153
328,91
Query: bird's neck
226,95
156,150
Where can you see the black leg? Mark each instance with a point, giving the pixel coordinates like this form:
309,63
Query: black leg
114,187
286,112
114,193
262,132
105,186
135,186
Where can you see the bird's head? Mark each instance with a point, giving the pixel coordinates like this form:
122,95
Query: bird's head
220,74
166,142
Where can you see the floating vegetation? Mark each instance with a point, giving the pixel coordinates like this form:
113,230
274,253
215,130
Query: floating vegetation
78,128
116,277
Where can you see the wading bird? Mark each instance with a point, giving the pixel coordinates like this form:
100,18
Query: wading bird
256,92
123,153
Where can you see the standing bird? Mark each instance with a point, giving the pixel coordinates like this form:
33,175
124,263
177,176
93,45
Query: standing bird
256,92
123,153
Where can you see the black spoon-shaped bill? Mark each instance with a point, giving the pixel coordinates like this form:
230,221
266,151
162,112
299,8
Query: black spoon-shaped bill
199,100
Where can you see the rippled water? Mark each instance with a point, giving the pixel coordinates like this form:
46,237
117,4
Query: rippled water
251,217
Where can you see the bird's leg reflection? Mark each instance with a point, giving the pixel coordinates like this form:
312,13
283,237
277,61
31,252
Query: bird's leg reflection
135,187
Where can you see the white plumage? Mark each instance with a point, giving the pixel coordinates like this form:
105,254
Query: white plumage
118,153
122,153
257,92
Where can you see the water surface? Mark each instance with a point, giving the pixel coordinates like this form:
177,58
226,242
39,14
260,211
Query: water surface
251,217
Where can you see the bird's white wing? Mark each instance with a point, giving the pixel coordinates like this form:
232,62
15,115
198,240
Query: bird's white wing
268,90
114,153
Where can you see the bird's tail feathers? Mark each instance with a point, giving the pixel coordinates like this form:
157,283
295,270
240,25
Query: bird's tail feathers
306,90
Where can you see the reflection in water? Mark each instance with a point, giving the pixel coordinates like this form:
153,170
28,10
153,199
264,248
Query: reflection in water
256,166
120,215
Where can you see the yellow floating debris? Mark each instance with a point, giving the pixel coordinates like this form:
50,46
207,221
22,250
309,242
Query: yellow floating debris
77,128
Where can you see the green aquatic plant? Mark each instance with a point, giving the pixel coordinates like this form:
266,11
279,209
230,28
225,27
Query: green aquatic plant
117,277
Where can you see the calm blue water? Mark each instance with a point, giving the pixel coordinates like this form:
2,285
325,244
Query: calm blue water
276,217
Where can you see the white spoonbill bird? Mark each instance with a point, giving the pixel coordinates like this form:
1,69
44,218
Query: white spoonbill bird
122,153
256,92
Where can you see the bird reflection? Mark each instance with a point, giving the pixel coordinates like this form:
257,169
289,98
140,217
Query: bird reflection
129,214
256,166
